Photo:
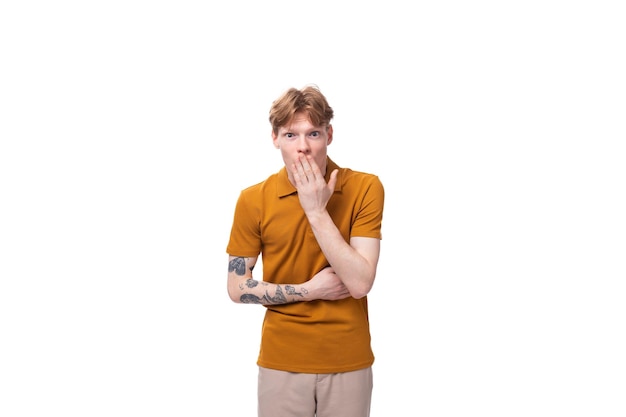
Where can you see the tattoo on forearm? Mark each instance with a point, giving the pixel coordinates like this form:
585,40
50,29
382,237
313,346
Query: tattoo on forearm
278,298
250,299
291,290
238,266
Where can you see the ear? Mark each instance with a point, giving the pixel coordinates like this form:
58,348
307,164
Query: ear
329,131
275,140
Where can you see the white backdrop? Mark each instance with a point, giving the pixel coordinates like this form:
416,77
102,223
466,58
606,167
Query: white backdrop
128,129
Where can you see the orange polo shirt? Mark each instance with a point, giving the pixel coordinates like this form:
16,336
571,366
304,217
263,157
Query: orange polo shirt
316,336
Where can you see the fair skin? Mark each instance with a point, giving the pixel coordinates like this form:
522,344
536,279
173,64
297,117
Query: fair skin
353,265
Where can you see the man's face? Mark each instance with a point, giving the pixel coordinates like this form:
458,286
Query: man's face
300,138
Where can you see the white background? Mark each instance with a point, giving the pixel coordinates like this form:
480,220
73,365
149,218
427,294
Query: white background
128,129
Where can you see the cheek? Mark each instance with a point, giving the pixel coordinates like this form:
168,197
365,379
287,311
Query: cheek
319,148
287,156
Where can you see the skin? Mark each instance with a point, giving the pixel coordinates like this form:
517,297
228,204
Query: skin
352,270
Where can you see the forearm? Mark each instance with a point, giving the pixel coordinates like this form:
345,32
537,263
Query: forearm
253,291
243,288
356,269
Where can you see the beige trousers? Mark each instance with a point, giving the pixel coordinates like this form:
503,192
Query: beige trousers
289,394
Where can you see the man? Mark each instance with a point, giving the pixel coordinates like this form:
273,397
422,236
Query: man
318,228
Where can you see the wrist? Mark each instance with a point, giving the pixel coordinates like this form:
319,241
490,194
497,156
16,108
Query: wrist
317,217
305,292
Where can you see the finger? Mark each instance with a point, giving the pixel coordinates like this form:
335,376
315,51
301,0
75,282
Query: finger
297,173
307,168
315,169
333,179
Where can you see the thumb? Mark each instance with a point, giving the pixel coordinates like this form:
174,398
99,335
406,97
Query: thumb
333,179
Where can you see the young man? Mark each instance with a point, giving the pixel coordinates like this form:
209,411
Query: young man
318,228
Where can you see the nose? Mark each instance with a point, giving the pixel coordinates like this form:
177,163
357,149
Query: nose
303,145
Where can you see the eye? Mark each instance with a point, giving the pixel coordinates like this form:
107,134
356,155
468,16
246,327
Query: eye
289,135
315,134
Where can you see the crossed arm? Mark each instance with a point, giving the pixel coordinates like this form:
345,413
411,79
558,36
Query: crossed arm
243,288
355,262
325,285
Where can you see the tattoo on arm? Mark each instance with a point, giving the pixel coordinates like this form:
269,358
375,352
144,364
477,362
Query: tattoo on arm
238,265
292,290
250,299
278,298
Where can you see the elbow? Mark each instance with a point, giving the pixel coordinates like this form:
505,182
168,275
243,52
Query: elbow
232,294
362,289
361,284
359,293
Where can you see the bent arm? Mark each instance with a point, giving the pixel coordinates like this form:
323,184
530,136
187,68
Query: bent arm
354,262
244,289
